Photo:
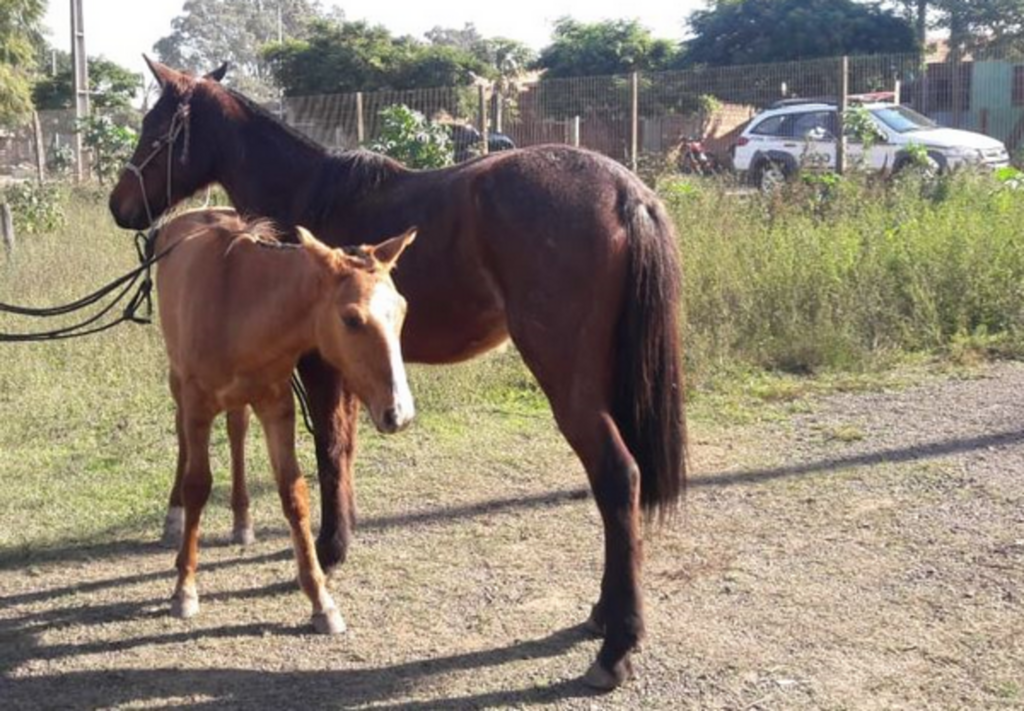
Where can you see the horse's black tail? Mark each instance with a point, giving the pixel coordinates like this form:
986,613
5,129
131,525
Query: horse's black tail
648,404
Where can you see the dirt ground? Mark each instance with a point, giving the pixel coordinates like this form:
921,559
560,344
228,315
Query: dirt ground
864,552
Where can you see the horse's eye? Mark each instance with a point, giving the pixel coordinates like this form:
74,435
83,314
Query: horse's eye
353,322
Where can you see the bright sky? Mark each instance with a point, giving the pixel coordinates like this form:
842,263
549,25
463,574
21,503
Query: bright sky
122,30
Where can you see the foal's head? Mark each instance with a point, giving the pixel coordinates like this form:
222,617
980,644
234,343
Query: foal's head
358,324
171,160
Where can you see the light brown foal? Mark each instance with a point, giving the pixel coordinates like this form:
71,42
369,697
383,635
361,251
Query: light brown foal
237,311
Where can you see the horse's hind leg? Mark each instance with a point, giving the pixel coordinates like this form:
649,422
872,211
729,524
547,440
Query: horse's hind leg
238,424
278,419
196,420
174,522
576,375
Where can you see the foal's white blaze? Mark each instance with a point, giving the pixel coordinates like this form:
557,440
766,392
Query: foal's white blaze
387,306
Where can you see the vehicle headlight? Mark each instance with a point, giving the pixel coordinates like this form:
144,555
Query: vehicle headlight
968,155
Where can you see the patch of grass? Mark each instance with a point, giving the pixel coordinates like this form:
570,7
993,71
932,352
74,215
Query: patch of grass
795,284
845,433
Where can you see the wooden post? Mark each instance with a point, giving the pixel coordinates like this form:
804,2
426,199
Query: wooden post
634,124
575,132
360,127
37,142
482,101
7,228
844,100
957,87
499,111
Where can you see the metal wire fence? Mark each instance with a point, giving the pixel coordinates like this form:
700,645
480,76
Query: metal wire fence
628,116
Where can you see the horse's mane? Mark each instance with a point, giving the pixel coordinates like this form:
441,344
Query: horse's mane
343,175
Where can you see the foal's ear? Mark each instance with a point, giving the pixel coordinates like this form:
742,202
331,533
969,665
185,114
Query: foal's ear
315,246
388,252
164,75
218,73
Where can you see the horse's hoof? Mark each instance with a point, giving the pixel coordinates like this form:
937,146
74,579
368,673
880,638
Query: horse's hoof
329,622
174,527
243,535
599,678
594,624
185,605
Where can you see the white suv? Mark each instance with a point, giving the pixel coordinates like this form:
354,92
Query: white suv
797,134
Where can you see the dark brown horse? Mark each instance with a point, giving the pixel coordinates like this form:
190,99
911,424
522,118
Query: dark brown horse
561,250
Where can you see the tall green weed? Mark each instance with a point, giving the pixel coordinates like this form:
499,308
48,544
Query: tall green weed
838,274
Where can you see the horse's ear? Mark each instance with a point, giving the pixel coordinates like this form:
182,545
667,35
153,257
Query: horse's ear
388,252
315,246
218,73
164,75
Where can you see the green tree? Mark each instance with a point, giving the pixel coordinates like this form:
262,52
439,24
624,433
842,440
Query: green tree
731,32
209,32
111,86
977,26
20,35
506,58
602,48
356,56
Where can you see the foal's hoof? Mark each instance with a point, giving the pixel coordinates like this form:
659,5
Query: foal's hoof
599,678
174,527
243,535
185,605
329,622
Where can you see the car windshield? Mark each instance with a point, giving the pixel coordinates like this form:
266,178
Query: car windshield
901,119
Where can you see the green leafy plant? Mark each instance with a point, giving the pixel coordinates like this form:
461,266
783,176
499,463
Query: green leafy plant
36,207
409,137
60,159
111,145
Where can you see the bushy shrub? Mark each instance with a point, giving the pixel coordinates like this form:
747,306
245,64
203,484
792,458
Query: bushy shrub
36,207
410,138
111,144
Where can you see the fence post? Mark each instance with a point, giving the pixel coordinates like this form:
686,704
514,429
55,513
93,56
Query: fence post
37,142
360,128
844,99
7,228
634,123
576,131
482,100
499,111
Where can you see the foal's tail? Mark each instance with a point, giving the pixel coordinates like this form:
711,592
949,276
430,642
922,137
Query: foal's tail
648,404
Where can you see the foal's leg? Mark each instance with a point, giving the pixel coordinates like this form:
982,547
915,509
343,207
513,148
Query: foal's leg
335,414
278,419
238,424
174,522
196,418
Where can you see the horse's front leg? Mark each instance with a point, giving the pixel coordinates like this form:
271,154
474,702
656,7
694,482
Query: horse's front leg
335,414
278,419
174,522
196,419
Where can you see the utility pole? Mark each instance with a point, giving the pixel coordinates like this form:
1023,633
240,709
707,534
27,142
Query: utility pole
79,78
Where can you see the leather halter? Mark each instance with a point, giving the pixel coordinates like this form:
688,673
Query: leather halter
180,123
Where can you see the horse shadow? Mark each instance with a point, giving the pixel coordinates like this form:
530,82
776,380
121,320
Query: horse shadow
263,689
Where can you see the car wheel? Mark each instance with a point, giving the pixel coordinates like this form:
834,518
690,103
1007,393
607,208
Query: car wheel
770,177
